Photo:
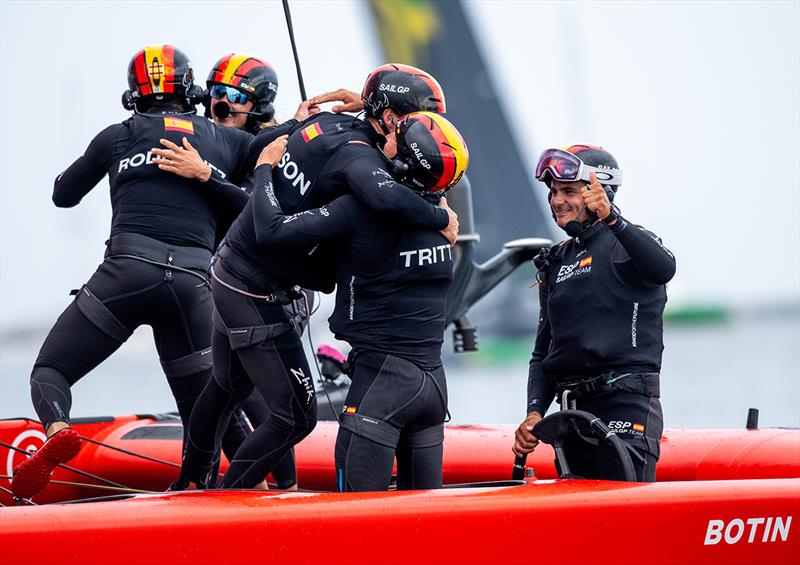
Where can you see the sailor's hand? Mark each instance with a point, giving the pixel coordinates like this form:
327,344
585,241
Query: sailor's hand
595,198
451,231
305,109
524,440
272,153
351,101
183,161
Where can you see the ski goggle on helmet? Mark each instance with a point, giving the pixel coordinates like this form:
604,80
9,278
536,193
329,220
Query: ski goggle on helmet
576,162
431,154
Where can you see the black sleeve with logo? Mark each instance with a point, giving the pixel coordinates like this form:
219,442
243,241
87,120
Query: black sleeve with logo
368,180
272,228
151,202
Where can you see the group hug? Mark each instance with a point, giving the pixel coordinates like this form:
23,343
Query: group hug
224,227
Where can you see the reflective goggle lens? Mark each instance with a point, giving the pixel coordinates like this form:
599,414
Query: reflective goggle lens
561,165
234,96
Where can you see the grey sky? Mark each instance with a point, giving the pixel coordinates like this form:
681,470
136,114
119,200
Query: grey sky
698,101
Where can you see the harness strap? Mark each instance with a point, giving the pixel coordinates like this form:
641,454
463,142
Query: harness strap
642,383
189,364
380,432
271,298
248,336
428,437
99,315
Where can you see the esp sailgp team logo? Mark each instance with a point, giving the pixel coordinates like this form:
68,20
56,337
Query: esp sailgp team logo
580,267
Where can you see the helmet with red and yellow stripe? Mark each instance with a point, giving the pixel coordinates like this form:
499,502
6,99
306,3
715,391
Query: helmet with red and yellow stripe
251,75
401,88
432,154
161,71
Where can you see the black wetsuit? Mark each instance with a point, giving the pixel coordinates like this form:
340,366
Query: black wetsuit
392,284
327,155
600,340
255,408
163,233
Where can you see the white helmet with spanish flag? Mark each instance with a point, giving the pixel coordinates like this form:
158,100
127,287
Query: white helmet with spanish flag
431,154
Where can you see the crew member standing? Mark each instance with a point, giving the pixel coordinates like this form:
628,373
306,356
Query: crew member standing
600,337
162,238
240,92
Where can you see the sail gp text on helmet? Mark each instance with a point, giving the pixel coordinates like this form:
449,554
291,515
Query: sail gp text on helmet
420,157
293,173
394,88
140,159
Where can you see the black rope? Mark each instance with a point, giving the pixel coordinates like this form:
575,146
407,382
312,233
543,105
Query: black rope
15,497
68,468
131,453
316,362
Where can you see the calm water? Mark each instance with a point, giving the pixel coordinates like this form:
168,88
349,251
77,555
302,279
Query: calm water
711,376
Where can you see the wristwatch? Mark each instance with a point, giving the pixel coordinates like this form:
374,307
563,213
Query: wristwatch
613,215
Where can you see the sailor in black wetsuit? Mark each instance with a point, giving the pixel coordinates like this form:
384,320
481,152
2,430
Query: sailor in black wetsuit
162,238
327,156
240,93
602,296
392,282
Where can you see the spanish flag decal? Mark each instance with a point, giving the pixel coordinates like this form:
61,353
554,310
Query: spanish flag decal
311,132
638,427
585,262
176,124
349,410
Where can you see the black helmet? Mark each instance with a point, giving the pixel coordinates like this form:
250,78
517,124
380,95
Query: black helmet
251,75
431,154
161,71
402,88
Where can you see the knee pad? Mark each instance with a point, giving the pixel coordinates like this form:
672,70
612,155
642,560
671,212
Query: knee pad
426,437
380,432
99,314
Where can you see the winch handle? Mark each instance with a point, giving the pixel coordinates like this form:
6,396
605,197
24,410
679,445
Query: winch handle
518,472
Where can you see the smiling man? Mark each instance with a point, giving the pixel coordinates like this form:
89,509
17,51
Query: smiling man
602,297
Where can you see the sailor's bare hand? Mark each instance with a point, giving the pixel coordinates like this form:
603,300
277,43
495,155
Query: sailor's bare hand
524,440
451,231
183,161
595,198
351,101
305,110
272,153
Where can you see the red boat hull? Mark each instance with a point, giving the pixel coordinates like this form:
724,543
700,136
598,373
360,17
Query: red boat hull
471,454
696,513
545,522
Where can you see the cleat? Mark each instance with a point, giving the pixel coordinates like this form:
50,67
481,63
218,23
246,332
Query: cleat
33,474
